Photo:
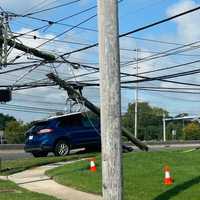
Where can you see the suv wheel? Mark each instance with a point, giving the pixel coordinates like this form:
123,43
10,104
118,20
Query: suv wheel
62,148
40,154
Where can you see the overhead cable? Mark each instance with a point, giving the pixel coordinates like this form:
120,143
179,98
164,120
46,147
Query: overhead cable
140,29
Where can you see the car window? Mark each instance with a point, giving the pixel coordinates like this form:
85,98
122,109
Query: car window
90,121
70,121
86,123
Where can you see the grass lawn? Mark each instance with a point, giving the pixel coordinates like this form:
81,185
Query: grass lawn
143,176
10,191
14,166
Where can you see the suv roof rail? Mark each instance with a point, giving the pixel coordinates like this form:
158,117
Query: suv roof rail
64,115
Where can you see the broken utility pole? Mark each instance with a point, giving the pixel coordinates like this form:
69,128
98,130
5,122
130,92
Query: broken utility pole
5,41
26,49
75,95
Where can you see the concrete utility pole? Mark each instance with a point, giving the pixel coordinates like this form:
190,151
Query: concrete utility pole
136,97
110,100
164,128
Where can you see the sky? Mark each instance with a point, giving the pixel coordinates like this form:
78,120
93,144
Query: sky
37,103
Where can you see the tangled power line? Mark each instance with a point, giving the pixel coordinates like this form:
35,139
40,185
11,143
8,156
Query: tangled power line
64,58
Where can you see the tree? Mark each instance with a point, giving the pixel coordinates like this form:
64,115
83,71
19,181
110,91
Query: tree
4,119
192,131
15,132
149,120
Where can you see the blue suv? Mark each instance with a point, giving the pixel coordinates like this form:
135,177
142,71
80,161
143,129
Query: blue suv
60,134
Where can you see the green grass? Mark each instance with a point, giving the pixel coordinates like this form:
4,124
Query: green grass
10,191
143,176
14,166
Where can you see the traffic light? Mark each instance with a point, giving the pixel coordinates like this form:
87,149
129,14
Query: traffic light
5,95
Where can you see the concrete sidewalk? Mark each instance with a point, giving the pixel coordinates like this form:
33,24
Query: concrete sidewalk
36,181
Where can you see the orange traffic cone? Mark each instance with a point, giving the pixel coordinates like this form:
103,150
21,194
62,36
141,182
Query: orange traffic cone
93,167
167,180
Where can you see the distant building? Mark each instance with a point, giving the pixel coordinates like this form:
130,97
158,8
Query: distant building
2,137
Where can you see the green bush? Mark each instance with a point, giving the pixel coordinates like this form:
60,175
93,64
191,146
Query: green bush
15,132
192,131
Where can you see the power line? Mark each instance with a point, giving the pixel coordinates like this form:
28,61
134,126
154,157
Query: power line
23,110
139,29
66,31
161,90
169,52
169,76
123,49
21,68
165,88
175,97
156,53
159,78
85,44
33,108
50,22
75,14
52,8
40,102
51,39
171,67
154,41
36,6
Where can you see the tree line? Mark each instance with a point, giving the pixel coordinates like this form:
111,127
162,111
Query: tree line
150,125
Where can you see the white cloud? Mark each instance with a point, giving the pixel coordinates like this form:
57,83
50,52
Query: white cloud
22,6
186,31
187,25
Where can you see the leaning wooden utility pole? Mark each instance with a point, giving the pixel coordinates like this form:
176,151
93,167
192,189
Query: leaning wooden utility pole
1,44
110,100
75,96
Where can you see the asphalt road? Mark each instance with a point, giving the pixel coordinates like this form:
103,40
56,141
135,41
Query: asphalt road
13,154
18,154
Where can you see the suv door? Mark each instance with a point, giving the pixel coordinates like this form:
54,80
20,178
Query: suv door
91,125
79,132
